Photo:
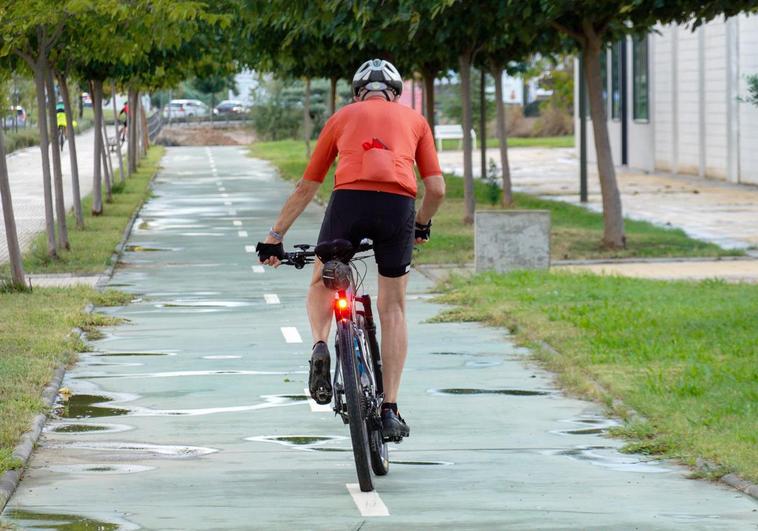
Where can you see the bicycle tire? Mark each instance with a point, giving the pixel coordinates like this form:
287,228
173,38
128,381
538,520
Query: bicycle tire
355,406
379,450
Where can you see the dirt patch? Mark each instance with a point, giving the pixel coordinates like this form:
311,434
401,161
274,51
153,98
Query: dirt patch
204,135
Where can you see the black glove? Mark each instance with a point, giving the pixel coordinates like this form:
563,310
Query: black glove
267,250
424,231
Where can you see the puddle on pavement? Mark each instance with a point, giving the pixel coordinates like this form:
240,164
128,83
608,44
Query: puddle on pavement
473,391
609,457
85,406
100,468
585,431
60,522
222,357
72,428
146,249
144,450
303,442
422,463
482,364
148,353
179,374
202,304
448,353
598,425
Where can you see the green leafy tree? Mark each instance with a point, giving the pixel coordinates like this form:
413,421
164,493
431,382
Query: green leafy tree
752,89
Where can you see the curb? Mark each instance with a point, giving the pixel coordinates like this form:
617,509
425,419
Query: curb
9,480
733,480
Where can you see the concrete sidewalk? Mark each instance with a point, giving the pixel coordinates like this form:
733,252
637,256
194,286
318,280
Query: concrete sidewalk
715,211
25,175
192,415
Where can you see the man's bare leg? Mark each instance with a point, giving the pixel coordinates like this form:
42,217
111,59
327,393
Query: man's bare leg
319,305
391,305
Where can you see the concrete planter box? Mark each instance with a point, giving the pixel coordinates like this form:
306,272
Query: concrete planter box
506,240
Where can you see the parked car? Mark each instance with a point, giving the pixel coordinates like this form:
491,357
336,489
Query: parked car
232,107
20,113
185,109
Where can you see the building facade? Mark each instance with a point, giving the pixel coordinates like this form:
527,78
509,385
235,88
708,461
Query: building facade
674,103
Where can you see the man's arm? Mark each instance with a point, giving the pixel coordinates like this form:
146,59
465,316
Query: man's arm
434,195
297,201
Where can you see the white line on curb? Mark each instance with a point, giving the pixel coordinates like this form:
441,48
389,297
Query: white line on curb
368,503
317,408
271,298
237,223
242,233
291,335
258,269
249,248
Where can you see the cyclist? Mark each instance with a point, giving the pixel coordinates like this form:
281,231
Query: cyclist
377,141
60,115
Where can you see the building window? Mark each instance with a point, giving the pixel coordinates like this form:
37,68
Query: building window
604,78
616,81
640,79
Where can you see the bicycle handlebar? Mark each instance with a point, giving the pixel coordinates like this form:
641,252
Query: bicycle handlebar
301,258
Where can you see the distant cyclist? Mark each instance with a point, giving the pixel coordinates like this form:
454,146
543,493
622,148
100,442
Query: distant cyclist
123,117
60,115
377,141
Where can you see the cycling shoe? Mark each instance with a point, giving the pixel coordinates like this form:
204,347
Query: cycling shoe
394,427
319,380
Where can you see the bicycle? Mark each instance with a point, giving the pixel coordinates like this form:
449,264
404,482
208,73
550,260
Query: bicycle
357,386
61,136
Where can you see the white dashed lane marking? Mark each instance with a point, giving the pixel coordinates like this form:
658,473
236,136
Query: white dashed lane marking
227,203
249,248
242,233
368,503
237,223
258,269
291,335
221,189
271,298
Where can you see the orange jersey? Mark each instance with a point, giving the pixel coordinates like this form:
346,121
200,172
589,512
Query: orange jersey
377,142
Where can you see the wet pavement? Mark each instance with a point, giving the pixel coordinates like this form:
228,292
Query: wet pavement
192,414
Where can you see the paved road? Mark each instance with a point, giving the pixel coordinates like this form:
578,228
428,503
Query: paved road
203,424
716,211
25,175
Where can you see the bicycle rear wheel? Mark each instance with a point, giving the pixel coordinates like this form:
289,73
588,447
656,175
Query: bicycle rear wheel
356,407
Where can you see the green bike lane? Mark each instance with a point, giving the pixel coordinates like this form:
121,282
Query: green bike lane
192,414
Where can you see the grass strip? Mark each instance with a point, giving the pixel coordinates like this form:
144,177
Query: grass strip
35,337
92,247
566,141
682,354
576,232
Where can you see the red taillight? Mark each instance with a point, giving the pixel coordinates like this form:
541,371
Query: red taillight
342,307
341,304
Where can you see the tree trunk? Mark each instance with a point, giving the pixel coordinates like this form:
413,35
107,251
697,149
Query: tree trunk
60,205
613,219
44,142
307,117
213,102
96,91
483,126
107,171
131,123
11,236
502,137
122,175
145,137
71,133
413,93
429,75
332,95
464,62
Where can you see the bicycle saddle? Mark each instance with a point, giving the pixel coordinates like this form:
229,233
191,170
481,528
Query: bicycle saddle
341,250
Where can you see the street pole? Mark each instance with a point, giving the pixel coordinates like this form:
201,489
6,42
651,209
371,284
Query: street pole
483,126
582,134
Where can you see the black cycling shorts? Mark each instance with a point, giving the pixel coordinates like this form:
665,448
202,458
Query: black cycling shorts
386,219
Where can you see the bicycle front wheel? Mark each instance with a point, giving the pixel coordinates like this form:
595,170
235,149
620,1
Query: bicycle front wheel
356,407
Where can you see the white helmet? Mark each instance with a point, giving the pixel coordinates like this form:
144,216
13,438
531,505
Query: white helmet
378,75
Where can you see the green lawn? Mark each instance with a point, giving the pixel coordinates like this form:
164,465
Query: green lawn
92,247
682,354
518,142
35,337
576,232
